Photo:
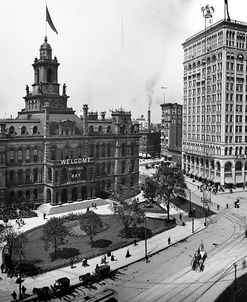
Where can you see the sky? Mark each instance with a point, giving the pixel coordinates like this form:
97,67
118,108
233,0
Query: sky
112,53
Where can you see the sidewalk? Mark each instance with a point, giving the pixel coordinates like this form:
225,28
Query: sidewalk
154,245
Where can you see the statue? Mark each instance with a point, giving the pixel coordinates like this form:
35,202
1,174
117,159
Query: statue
27,90
64,89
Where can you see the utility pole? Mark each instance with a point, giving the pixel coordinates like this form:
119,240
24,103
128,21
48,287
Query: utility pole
146,249
235,280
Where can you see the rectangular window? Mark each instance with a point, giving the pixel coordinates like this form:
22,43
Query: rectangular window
35,155
28,155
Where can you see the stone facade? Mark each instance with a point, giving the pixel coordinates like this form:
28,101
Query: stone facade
49,154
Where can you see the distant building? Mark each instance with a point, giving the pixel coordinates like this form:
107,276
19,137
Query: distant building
49,154
171,132
149,142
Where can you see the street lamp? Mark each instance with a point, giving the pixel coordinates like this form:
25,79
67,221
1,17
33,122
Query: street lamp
146,248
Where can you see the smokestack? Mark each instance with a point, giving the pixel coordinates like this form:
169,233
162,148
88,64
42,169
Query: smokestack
149,120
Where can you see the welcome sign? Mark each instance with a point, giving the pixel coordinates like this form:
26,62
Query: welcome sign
71,161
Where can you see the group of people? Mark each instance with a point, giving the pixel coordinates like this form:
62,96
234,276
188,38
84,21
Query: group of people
20,222
23,293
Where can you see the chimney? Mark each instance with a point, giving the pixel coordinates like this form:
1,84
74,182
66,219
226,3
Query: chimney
103,113
149,120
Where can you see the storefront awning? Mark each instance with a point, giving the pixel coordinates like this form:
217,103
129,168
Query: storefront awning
228,180
239,179
216,179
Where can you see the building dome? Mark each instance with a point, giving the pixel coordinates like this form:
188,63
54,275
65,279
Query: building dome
45,45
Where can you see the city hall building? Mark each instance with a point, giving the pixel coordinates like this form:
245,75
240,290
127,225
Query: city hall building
215,104
49,154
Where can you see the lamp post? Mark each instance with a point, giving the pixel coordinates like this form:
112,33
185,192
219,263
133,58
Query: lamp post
145,234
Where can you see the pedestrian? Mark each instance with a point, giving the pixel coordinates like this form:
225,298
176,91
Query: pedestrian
180,216
23,290
44,215
227,205
2,268
243,264
218,207
169,240
14,295
112,257
127,254
71,262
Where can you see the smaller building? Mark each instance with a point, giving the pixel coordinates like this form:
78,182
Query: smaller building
171,132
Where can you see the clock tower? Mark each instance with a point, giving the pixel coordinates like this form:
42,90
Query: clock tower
45,88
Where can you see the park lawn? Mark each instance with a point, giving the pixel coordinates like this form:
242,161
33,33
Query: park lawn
79,246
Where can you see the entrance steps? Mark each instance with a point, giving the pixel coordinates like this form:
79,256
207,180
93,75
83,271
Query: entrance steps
49,209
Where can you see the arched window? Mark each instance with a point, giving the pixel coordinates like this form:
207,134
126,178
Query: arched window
35,130
12,130
23,130
100,129
49,75
226,150
19,155
53,153
238,166
35,155
122,129
218,166
108,129
228,167
90,129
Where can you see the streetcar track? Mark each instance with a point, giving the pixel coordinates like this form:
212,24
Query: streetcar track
238,223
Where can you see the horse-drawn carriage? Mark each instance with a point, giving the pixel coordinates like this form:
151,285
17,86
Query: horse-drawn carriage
199,259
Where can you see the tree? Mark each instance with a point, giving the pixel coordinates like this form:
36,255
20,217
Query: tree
13,241
150,189
91,224
170,182
54,233
127,207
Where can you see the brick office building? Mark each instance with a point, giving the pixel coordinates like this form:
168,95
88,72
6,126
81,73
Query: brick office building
49,154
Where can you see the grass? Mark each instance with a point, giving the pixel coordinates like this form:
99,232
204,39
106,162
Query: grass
184,205
79,246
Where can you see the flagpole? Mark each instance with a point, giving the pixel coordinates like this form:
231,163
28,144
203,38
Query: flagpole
122,33
45,19
224,10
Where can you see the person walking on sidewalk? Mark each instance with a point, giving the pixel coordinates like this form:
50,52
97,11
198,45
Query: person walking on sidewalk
14,295
169,240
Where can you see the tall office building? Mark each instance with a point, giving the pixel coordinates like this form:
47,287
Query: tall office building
215,104
171,132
